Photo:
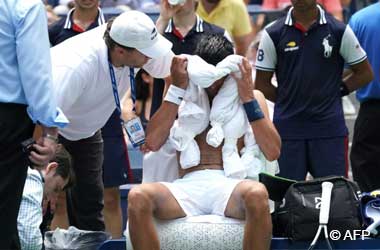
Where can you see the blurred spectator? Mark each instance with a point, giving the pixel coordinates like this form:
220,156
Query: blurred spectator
232,15
85,16
365,153
26,98
308,110
40,185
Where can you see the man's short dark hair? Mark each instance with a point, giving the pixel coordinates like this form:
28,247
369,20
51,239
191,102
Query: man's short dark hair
213,48
109,41
64,168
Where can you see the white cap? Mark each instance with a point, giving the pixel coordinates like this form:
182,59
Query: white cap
135,29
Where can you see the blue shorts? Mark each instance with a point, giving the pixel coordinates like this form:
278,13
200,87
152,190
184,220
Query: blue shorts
320,157
116,170
116,162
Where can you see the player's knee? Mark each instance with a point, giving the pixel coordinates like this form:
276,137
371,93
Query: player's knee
256,198
139,202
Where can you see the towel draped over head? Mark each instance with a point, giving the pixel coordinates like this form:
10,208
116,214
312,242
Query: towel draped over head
226,116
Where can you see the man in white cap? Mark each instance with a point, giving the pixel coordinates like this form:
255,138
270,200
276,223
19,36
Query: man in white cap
92,72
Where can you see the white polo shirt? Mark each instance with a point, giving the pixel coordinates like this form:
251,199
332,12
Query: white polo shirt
83,84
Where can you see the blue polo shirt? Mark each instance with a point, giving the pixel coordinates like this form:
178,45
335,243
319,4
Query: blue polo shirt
365,23
65,28
308,66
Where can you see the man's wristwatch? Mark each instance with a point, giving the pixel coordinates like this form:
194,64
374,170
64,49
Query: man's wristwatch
51,137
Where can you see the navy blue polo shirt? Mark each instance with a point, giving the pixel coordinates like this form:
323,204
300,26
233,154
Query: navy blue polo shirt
308,66
65,28
187,44
182,45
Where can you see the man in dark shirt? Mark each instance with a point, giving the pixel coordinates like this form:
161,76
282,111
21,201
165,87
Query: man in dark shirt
307,49
85,16
183,27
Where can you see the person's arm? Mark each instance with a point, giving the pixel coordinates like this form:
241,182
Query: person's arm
34,63
168,81
242,29
127,112
45,147
265,133
353,54
242,43
36,79
266,62
263,82
167,11
361,75
159,126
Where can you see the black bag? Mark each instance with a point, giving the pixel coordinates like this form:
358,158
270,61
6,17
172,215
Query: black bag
297,217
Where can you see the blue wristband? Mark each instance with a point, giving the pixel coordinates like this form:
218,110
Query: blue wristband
253,111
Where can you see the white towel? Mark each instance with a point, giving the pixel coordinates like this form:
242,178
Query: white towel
193,115
254,160
161,165
227,117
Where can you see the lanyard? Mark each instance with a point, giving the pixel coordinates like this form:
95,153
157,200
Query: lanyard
114,86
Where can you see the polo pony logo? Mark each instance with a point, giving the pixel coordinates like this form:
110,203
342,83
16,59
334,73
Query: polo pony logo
153,34
327,47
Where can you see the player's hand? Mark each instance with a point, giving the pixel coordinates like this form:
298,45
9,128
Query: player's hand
245,82
178,70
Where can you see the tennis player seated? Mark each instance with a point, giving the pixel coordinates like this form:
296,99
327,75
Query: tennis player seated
204,189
